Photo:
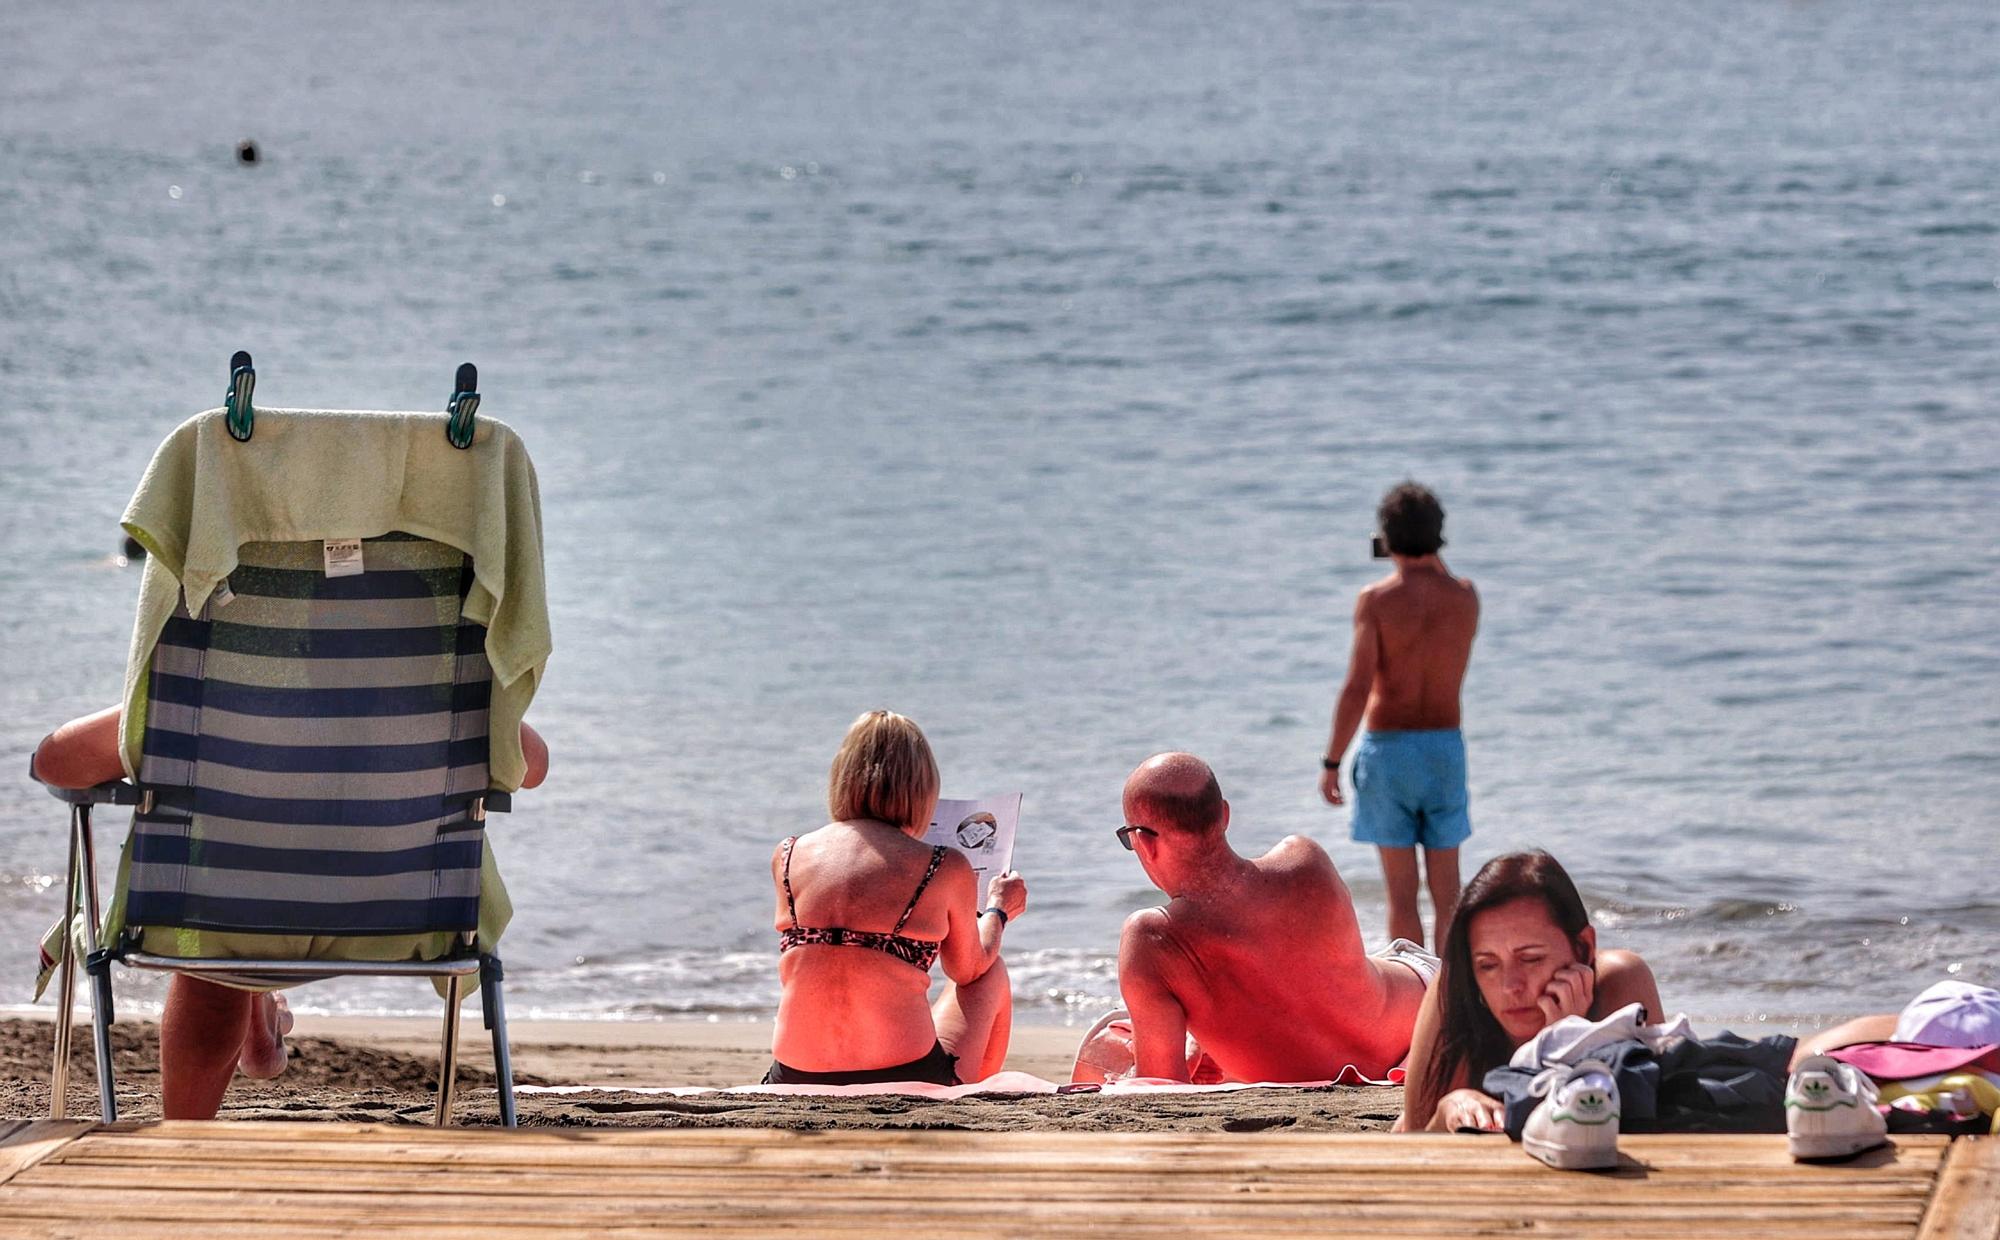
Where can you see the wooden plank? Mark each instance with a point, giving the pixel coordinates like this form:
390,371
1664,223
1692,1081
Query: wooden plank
960,1156
670,1181
142,1212
949,1151
953,1155
219,1181
803,1223
1198,1153
28,1142
70,1214
1243,1228
446,1230
1966,1205
462,1200
1768,1147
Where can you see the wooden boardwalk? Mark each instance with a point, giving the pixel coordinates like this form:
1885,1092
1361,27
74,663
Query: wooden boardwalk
217,1181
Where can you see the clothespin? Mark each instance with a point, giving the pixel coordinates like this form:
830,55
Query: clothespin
463,405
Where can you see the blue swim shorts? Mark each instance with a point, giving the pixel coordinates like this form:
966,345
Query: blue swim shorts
1409,789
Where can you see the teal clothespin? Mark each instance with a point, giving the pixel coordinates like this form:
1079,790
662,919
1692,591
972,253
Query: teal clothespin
240,415
464,403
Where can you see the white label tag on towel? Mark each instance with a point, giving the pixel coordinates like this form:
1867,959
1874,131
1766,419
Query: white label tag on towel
343,557
223,596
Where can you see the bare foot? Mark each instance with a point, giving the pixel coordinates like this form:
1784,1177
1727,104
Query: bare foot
263,1055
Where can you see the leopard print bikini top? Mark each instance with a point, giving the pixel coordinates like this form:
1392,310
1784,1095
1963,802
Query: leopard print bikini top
921,953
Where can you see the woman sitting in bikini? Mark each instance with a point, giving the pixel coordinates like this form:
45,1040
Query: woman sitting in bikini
865,908
1521,954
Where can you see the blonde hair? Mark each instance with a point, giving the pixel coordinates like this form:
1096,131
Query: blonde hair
884,771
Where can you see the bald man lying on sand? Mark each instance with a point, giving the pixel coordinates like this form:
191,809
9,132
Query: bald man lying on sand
1259,959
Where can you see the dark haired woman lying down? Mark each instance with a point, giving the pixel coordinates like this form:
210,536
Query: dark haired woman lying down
1520,955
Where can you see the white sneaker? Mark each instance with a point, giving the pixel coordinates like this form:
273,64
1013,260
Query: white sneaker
1830,1110
1575,1127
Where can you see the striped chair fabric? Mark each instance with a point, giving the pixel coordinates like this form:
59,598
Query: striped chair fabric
314,744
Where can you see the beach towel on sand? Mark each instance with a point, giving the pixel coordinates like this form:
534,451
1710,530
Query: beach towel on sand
1106,1054
999,1083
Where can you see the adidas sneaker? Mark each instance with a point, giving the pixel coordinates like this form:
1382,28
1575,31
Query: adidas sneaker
1830,1110
1575,1126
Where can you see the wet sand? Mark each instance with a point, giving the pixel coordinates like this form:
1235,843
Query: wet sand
383,1069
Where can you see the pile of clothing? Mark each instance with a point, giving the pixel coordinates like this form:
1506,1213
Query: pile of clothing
1941,1073
1668,1079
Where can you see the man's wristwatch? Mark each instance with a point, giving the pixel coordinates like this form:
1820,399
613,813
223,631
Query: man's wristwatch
994,908
1329,764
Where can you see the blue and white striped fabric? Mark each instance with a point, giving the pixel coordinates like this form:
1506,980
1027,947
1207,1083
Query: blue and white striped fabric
313,744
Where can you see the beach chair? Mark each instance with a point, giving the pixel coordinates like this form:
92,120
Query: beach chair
314,764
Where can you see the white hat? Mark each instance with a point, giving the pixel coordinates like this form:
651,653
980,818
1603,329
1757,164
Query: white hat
1952,1014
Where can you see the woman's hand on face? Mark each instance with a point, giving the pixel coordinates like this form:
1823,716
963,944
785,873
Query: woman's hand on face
1468,1108
1009,893
1569,993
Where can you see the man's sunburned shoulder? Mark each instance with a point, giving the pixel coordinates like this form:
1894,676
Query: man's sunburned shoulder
1147,938
1145,923
1299,851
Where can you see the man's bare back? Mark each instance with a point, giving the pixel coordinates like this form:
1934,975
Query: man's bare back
1260,959
1270,976
1423,620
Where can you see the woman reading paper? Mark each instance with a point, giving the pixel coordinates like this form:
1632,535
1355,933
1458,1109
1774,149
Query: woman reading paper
864,908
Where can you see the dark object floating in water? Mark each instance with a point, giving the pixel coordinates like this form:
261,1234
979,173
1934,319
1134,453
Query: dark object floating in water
134,549
246,152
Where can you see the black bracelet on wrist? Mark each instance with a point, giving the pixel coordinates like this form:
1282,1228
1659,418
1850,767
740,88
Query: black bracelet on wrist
994,908
1329,764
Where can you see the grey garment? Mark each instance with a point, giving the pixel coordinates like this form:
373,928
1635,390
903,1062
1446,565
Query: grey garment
1719,1084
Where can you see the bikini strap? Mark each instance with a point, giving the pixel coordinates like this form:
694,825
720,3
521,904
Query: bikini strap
790,907
937,859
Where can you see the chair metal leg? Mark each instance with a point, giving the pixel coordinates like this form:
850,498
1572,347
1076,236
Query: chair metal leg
100,1026
66,982
101,1014
493,1004
448,1053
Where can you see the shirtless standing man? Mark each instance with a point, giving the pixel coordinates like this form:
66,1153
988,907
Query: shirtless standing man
1413,635
1260,959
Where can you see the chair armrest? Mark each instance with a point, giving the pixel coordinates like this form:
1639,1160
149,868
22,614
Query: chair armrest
118,792
113,792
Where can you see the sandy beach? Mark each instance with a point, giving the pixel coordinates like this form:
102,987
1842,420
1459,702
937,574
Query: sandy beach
383,1069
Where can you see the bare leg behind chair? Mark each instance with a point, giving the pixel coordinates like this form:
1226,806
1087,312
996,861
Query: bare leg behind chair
208,1033
270,1020
201,1039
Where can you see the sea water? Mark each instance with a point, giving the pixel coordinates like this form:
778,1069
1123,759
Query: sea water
1033,369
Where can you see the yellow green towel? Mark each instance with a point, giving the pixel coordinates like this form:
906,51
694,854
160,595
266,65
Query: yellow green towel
322,475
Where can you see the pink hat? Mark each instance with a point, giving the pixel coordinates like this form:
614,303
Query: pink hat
1952,1014
1903,1061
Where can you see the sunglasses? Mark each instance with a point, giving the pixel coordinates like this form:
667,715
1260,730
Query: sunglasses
1126,832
